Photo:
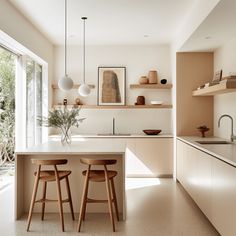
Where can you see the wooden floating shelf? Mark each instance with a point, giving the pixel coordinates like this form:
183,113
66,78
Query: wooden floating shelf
75,86
116,107
225,86
151,86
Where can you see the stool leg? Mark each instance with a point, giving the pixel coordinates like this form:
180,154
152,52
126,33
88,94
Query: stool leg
114,198
44,197
86,197
69,197
59,199
109,199
36,183
83,200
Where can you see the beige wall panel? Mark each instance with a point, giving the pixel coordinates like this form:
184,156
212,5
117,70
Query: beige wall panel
192,70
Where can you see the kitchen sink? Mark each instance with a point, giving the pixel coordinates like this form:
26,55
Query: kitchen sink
213,142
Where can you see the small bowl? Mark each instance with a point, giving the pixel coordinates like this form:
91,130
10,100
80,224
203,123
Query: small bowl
156,102
163,81
152,131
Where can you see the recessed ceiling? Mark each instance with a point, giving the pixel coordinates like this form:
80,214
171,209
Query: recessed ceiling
217,29
109,21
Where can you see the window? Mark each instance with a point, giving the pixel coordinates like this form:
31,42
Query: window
33,102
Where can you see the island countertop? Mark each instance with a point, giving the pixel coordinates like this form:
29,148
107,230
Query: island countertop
84,144
110,136
80,146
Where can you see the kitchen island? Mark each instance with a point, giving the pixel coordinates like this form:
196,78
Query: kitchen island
136,155
99,148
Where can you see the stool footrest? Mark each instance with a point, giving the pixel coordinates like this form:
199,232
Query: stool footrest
50,200
90,200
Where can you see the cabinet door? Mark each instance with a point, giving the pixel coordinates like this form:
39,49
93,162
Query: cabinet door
194,171
179,160
224,198
203,183
189,169
150,157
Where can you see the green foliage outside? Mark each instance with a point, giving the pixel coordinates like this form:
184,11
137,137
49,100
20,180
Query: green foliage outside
7,105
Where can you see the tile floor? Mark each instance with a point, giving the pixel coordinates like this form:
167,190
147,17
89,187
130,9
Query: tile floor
155,207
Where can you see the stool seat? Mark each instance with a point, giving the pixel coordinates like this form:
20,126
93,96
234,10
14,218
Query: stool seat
49,175
99,175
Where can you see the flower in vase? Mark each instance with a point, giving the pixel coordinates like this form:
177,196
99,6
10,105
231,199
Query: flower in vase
62,119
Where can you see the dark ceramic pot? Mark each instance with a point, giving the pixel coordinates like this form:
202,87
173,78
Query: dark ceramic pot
163,81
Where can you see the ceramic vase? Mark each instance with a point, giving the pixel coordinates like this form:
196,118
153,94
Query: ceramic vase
153,77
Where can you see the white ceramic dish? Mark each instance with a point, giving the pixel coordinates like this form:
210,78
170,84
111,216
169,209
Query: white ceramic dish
156,102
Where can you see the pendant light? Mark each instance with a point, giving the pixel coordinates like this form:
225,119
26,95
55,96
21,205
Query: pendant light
84,89
65,83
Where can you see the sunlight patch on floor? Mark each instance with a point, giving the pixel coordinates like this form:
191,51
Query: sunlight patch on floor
135,183
5,181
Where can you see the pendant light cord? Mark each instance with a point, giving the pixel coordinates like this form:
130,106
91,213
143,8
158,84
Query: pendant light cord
66,38
84,18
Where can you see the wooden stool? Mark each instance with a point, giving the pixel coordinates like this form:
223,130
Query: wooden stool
50,176
99,176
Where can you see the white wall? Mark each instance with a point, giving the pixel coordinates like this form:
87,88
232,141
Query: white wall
14,24
138,60
225,59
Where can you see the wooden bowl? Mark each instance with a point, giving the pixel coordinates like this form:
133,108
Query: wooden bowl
152,131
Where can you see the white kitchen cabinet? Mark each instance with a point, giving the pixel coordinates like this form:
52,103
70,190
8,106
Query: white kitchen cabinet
189,169
203,182
195,174
189,165
212,185
224,198
149,157
180,161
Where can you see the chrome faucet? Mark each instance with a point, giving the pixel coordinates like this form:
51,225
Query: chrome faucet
232,136
113,126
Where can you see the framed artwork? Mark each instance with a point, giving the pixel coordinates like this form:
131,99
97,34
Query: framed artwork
111,85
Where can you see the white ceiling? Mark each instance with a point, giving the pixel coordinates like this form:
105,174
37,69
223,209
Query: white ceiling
216,30
109,21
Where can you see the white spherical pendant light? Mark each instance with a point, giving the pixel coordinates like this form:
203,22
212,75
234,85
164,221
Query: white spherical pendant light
84,89
65,83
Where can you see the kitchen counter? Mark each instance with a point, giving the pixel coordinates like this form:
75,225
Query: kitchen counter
76,137
223,152
80,146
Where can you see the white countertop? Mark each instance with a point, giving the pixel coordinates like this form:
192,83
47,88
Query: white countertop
224,152
57,136
85,144
82,146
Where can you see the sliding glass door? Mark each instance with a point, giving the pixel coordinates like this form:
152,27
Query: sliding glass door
33,102
7,105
